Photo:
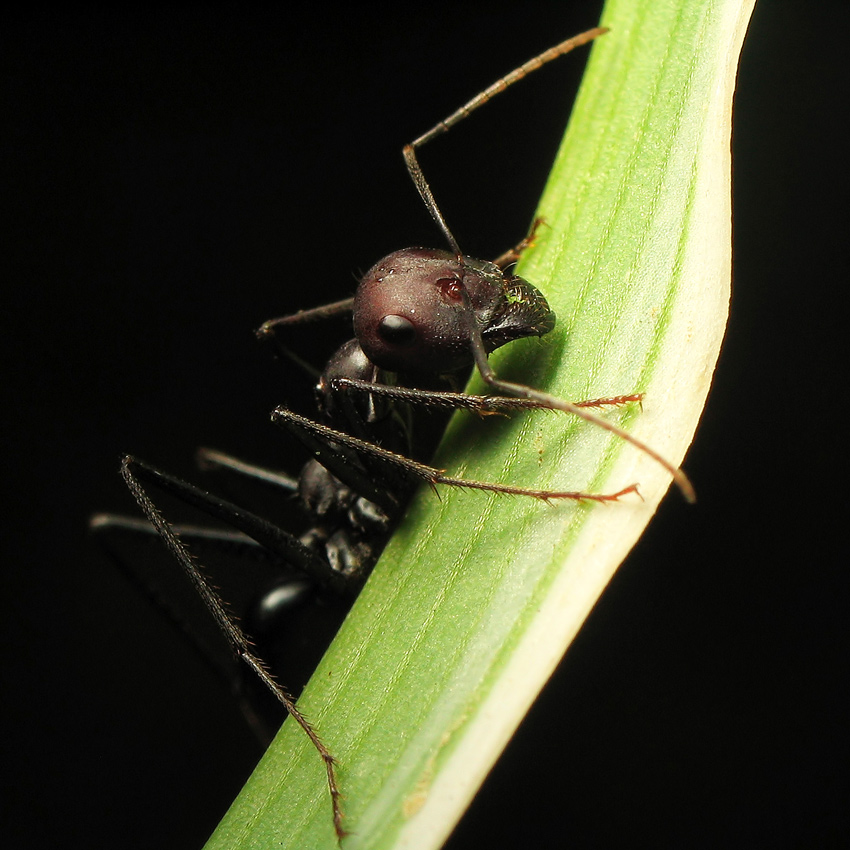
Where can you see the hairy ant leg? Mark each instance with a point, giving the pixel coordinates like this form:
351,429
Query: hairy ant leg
232,542
521,391
132,471
212,459
483,405
283,605
288,549
315,432
287,593
270,331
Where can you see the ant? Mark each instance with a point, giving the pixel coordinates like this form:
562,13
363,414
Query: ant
423,319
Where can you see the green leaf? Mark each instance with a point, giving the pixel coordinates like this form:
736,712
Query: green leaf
477,596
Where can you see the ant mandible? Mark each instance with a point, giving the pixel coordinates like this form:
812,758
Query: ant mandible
422,319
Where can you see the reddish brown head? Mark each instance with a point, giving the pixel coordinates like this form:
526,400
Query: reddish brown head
410,313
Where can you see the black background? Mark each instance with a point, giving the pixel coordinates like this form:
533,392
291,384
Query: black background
173,178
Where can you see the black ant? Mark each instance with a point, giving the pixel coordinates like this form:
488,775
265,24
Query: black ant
422,320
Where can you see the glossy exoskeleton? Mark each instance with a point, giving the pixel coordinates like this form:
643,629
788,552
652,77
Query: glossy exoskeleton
422,320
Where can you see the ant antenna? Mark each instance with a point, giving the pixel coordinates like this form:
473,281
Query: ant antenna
476,342
480,99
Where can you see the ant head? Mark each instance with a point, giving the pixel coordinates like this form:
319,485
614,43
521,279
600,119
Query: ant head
410,314
418,309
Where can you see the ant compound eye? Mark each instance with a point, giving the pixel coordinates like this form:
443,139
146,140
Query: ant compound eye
397,330
451,289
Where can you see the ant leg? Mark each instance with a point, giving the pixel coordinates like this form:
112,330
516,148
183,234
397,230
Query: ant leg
483,405
315,432
110,528
132,471
314,314
271,330
341,455
211,459
232,542
479,354
278,542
